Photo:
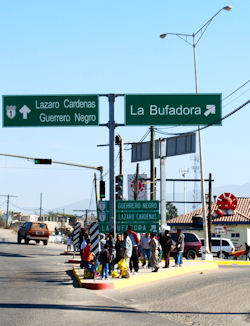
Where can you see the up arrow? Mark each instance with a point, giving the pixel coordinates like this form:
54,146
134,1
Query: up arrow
25,110
210,109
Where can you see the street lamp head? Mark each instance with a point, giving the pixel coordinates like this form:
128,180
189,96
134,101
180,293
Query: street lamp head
163,35
227,8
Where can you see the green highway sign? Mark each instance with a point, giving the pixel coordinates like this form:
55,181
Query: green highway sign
143,215
138,227
50,110
172,109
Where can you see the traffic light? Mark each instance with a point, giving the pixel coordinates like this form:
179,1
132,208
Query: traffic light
119,187
102,189
42,161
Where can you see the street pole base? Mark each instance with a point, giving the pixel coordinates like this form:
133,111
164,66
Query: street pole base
207,256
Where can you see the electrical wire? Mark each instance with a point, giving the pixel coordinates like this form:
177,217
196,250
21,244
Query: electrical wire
158,130
24,209
236,90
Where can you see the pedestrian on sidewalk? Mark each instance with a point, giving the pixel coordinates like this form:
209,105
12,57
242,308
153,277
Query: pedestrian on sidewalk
127,248
145,249
111,243
69,242
179,248
166,243
133,263
105,261
154,245
87,256
118,249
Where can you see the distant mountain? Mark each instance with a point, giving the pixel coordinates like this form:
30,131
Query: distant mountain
79,205
238,191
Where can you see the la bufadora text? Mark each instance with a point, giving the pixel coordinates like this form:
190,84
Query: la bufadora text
67,104
166,110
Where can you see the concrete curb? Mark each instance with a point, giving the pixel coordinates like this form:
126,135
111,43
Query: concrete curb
141,279
91,284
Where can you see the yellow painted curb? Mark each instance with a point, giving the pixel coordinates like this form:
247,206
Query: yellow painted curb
233,262
78,276
172,272
227,262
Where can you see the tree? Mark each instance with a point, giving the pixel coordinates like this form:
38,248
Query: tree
171,211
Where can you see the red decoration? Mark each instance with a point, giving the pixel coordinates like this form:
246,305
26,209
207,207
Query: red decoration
226,202
219,212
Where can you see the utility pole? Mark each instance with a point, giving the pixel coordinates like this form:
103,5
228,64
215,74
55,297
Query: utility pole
210,212
7,209
184,172
40,214
96,192
163,184
152,163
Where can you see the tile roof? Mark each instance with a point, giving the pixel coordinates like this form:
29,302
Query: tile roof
242,214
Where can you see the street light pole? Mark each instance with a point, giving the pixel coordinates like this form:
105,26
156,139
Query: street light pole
185,37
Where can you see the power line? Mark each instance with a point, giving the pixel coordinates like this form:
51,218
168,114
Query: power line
160,131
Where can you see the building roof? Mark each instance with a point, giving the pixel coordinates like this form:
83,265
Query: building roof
242,215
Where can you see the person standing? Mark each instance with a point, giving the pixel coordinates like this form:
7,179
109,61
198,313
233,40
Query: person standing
118,248
127,248
179,248
87,256
69,241
145,249
166,244
133,263
105,261
154,244
111,243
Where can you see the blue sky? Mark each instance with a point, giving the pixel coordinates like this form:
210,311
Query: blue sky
83,47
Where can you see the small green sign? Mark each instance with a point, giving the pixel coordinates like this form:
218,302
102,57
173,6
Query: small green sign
50,110
172,109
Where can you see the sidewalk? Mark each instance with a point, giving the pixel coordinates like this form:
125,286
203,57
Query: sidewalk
144,275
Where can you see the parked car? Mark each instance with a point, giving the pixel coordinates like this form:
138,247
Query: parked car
226,248
192,247
36,231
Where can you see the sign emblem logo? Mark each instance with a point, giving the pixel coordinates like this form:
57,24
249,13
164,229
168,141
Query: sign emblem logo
11,111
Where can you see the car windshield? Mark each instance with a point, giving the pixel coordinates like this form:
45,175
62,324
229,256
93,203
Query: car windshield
39,226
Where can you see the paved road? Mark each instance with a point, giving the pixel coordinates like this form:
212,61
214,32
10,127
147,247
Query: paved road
36,288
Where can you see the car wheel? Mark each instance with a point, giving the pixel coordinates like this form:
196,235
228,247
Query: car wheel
37,241
45,243
19,240
222,255
191,254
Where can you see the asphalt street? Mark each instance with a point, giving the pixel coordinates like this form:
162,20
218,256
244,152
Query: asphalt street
37,288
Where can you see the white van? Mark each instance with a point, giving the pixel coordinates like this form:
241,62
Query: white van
227,246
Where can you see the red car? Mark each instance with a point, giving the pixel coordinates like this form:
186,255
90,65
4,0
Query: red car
192,247
36,231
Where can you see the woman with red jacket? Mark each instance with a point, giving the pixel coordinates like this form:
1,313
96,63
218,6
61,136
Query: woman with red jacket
87,256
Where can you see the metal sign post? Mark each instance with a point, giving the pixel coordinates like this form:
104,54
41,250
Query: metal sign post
111,126
163,185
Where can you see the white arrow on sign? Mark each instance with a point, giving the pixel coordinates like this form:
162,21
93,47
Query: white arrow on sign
210,109
153,228
25,110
